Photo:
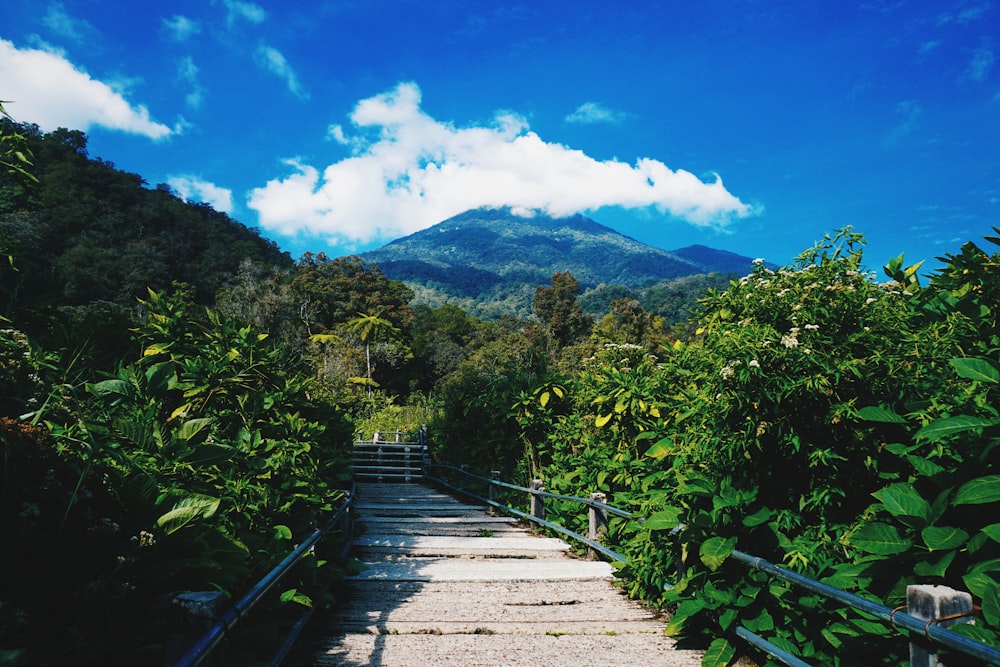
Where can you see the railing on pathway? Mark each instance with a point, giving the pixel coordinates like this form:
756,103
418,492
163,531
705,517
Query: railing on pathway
389,457
925,626
221,626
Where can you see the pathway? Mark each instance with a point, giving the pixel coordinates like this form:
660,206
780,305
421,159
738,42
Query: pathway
447,584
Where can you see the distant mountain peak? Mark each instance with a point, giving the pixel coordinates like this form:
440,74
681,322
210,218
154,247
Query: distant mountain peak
500,255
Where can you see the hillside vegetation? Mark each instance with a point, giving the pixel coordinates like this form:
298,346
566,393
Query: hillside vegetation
183,429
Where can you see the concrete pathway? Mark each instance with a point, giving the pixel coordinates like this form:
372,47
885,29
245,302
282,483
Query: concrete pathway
447,584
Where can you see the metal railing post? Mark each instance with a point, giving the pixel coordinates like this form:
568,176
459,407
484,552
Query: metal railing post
537,501
494,494
598,520
461,478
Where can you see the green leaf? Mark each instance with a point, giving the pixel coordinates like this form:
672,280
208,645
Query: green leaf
193,431
940,538
720,652
110,388
667,519
948,426
993,531
282,532
660,449
880,538
875,413
186,510
935,568
715,550
979,491
902,500
210,454
293,595
980,370
763,515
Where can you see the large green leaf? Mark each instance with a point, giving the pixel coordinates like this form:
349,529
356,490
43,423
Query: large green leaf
979,491
875,413
113,387
948,426
193,431
661,448
880,538
902,500
186,510
993,531
939,538
667,519
720,652
715,550
976,369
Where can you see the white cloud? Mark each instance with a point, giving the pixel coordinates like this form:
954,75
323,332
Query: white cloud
409,171
248,11
61,23
273,61
187,72
192,188
981,63
48,90
593,113
181,27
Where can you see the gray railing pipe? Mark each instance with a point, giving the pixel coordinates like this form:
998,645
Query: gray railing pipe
214,636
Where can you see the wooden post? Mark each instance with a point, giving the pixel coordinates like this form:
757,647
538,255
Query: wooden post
537,502
929,603
598,521
461,480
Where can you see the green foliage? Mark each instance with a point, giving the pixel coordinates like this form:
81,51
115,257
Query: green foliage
204,456
841,427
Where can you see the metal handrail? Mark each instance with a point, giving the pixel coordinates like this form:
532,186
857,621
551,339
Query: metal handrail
936,633
897,618
592,544
214,636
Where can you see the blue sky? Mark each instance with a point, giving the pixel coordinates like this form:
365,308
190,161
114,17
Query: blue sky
750,126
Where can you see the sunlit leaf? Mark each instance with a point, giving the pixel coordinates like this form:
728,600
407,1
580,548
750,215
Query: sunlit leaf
720,652
948,426
715,550
939,538
875,413
976,369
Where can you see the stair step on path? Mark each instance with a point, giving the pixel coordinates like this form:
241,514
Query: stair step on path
446,583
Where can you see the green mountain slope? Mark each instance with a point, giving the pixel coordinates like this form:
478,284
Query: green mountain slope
489,261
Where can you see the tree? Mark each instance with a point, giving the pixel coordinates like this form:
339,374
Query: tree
557,308
370,327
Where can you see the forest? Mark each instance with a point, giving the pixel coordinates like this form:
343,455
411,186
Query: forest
179,398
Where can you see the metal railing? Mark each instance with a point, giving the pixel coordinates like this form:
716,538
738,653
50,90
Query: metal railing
221,626
599,511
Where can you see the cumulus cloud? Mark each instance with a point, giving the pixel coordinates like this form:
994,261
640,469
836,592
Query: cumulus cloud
193,188
272,60
409,171
181,27
592,113
48,90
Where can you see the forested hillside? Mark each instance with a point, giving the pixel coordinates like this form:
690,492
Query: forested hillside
489,261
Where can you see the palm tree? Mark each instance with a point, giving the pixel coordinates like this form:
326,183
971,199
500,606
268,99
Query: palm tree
370,327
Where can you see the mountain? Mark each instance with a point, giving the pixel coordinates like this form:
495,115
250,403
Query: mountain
489,261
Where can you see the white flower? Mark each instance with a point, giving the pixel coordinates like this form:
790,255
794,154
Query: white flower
758,261
789,341
812,327
754,363
870,299
727,372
